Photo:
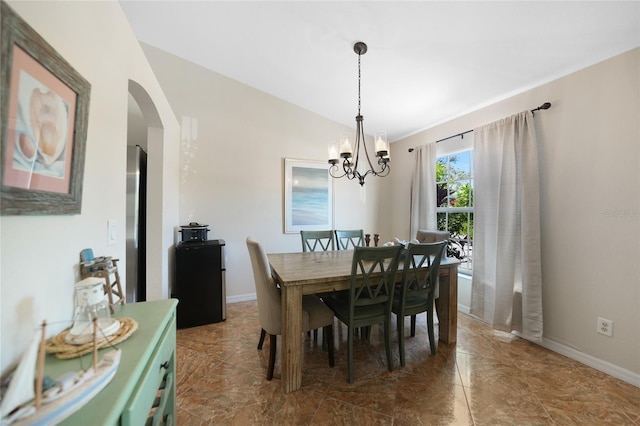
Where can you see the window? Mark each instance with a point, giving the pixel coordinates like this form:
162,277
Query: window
454,206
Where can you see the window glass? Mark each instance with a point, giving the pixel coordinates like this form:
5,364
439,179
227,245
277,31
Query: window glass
454,204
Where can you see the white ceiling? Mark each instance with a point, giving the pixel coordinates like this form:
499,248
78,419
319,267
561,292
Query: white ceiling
428,61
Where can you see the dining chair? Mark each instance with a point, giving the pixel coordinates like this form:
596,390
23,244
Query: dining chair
429,236
349,239
311,241
368,300
417,289
317,240
314,312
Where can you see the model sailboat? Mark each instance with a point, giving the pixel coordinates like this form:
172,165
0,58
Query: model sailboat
24,403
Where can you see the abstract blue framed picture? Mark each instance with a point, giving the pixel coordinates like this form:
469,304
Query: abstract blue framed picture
308,196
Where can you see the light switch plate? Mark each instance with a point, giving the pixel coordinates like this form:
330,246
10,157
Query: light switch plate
112,232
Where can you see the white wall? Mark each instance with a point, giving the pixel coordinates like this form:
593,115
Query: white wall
232,174
589,176
40,254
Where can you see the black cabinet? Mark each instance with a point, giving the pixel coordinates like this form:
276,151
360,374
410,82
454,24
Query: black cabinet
200,283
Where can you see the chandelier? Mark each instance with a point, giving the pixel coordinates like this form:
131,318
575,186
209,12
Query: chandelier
351,163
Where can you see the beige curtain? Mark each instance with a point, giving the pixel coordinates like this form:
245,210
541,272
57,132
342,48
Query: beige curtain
423,189
507,283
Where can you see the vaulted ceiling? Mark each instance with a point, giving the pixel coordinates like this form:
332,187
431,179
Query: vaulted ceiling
427,61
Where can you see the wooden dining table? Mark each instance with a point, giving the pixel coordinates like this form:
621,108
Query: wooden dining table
325,271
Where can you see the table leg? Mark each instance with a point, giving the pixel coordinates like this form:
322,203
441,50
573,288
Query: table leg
291,344
447,305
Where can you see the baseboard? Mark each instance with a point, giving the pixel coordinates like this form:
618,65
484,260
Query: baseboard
600,365
241,298
464,309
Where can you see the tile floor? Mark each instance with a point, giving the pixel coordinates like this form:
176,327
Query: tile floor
486,378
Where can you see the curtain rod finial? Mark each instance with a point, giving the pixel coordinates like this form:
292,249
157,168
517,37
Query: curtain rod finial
545,105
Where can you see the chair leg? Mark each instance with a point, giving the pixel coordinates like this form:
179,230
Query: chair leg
367,333
400,323
272,355
315,335
387,342
324,338
413,326
432,340
262,336
327,337
350,354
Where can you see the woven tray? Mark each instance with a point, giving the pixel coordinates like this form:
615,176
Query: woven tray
63,350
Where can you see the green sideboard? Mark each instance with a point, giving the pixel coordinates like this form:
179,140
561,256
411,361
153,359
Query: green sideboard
144,387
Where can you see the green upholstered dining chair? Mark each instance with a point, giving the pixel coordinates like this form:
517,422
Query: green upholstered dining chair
317,240
417,289
349,239
370,295
314,312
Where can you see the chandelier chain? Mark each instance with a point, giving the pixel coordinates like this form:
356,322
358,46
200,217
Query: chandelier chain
359,55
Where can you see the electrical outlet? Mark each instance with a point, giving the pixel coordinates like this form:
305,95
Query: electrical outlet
605,327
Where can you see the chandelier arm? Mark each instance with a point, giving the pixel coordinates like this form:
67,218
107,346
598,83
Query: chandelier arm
362,176
333,169
358,138
384,171
346,167
366,151
349,172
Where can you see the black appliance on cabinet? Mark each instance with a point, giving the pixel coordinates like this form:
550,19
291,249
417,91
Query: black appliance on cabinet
200,282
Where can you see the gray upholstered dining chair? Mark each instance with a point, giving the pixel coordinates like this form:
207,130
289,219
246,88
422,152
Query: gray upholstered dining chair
428,236
349,239
314,312
317,240
370,295
416,293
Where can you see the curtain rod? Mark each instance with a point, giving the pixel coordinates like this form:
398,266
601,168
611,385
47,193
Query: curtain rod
545,105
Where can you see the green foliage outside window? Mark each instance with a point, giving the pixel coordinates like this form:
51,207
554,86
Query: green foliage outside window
454,182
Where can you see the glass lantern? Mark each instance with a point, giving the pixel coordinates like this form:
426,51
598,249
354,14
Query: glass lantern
90,304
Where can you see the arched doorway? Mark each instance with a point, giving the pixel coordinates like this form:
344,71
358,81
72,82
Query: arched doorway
144,217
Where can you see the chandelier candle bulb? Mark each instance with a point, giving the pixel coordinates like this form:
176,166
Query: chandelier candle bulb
333,153
345,147
381,144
